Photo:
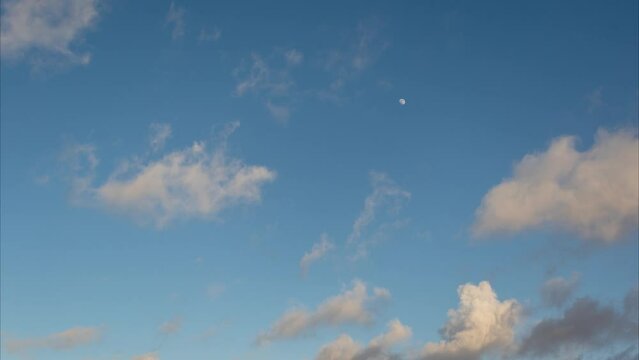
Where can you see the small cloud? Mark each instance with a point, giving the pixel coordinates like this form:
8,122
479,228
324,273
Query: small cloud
595,100
147,356
210,36
293,57
68,339
172,326
281,113
317,252
175,18
159,134
556,291
214,291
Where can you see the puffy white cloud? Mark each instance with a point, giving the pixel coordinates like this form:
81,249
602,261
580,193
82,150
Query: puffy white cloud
387,196
147,356
481,324
594,193
46,27
353,306
175,18
556,291
68,339
345,348
193,182
317,252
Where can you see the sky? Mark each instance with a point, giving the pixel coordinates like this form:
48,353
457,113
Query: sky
240,180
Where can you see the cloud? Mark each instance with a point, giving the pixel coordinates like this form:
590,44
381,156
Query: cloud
317,252
281,113
629,353
345,348
172,326
256,75
147,356
386,195
480,325
64,340
210,36
159,134
35,28
595,100
353,306
175,18
193,182
594,193
586,324
556,291
293,57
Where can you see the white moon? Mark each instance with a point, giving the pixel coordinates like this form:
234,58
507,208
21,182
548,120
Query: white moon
402,101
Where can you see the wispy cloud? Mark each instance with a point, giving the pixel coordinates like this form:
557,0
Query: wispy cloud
281,113
318,251
595,100
159,134
45,31
175,18
594,193
193,182
386,196
293,57
210,36
68,339
558,290
353,306
345,348
171,326
147,356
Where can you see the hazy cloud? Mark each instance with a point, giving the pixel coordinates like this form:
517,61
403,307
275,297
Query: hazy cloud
594,193
210,36
175,18
64,340
281,113
556,291
34,27
293,57
159,134
480,325
317,252
353,306
172,326
147,356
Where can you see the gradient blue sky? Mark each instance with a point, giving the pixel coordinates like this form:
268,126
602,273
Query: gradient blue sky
314,88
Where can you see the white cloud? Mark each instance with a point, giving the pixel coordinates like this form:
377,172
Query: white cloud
64,340
387,196
172,326
175,18
350,307
317,252
159,134
281,113
293,57
345,348
193,182
147,356
257,76
594,193
481,324
33,27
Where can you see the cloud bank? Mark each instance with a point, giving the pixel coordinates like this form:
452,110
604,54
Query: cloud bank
594,193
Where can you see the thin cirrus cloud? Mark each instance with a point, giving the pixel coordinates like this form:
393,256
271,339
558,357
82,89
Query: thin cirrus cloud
192,182
345,348
65,340
386,196
318,251
46,30
594,193
482,324
353,306
556,291
175,19
160,133
171,326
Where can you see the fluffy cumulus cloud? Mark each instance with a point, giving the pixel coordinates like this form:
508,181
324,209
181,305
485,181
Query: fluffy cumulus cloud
36,28
353,306
386,196
318,251
345,348
556,291
587,324
64,340
482,324
594,193
193,182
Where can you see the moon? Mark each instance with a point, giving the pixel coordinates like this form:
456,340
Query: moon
402,101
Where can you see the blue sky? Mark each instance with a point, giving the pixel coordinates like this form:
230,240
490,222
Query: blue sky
238,180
